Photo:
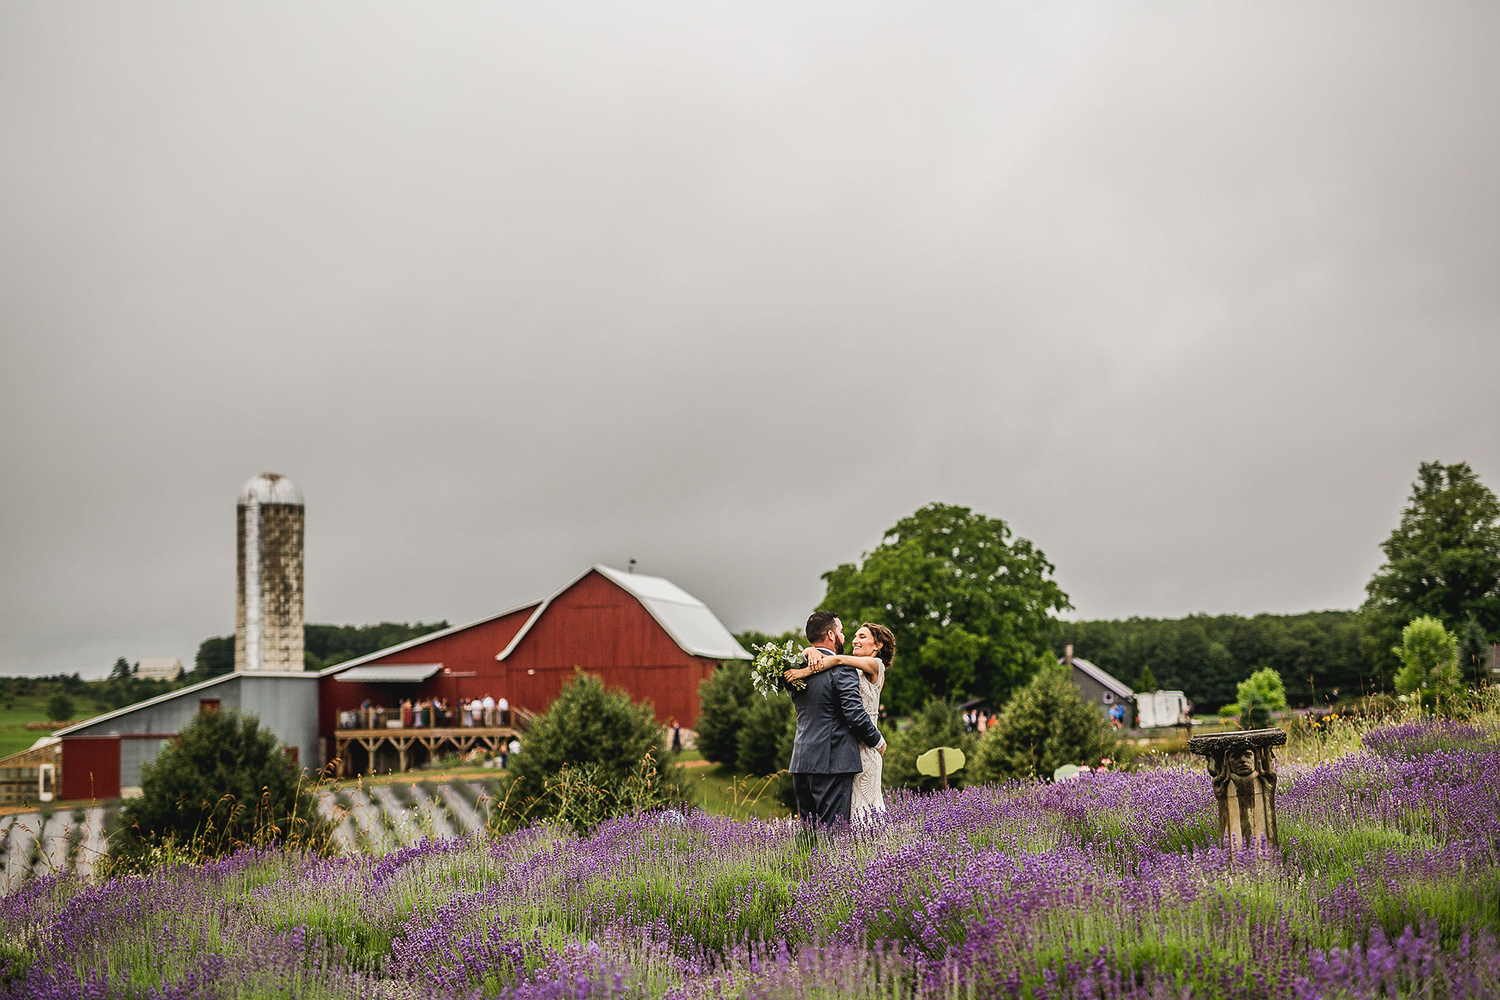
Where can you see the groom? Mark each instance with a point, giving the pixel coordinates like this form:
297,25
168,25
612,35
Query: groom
830,717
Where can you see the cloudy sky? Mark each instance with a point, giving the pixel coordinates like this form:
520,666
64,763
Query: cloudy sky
1184,292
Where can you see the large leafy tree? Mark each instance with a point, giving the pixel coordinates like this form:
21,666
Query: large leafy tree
1442,560
972,607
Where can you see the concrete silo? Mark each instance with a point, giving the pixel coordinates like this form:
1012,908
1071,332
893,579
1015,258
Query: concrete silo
268,614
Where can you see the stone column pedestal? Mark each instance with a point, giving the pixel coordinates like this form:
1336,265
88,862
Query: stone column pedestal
1243,769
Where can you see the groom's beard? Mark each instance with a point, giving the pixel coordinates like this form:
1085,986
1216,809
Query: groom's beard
838,647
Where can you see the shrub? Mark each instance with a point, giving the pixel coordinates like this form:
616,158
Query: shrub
1429,658
591,755
762,733
1046,725
1260,694
724,699
937,725
224,783
59,708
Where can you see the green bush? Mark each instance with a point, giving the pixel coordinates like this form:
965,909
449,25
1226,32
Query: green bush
60,708
937,725
224,783
1046,725
724,699
1264,686
1429,658
762,734
593,754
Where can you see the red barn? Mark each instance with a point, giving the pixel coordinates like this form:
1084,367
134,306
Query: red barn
640,633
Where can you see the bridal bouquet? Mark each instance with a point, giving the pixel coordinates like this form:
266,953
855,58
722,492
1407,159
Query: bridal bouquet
771,662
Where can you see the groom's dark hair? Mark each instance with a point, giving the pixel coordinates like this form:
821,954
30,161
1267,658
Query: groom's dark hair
819,624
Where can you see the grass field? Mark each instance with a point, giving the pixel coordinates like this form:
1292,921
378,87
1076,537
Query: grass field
736,796
17,711
1386,884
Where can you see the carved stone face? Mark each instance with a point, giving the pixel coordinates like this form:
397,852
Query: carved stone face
1242,763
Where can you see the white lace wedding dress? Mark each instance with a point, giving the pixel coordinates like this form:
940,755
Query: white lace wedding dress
868,798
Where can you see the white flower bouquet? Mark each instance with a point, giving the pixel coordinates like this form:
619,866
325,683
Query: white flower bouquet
771,663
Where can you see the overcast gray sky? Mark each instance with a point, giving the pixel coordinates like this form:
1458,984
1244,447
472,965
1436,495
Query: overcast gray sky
1182,291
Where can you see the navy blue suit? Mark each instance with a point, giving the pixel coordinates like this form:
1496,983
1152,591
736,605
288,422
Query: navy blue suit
831,724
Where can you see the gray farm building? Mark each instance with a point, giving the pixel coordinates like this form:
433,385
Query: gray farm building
1096,686
103,756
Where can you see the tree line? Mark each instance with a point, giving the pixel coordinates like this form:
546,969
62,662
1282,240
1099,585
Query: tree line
977,611
322,645
1319,654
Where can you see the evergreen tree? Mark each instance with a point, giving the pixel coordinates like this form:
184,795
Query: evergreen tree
1046,725
1442,561
938,724
225,782
586,724
723,699
760,737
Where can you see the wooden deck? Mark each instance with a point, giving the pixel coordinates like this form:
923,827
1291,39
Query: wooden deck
438,741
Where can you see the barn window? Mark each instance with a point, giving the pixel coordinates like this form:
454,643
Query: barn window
1109,696
208,705
291,754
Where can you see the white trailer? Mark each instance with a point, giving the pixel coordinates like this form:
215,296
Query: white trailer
1160,708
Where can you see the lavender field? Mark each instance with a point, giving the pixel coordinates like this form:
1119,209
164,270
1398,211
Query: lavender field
1387,883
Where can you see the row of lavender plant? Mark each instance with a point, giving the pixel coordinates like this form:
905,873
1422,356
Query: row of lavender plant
1387,884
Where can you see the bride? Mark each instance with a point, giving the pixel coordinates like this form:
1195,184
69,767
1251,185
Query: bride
871,653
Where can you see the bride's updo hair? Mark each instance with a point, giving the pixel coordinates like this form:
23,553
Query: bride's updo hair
886,641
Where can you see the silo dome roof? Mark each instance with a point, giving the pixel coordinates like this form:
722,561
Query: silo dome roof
270,487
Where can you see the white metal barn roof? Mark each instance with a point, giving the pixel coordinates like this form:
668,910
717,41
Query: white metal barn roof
697,630
685,618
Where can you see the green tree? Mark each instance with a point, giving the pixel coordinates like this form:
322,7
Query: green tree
938,724
1429,658
973,609
1265,685
215,657
224,783
122,670
586,724
60,707
760,737
1317,653
1146,681
1441,561
1046,725
723,700
1473,651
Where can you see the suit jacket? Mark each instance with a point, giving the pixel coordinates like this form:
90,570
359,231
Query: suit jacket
830,718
